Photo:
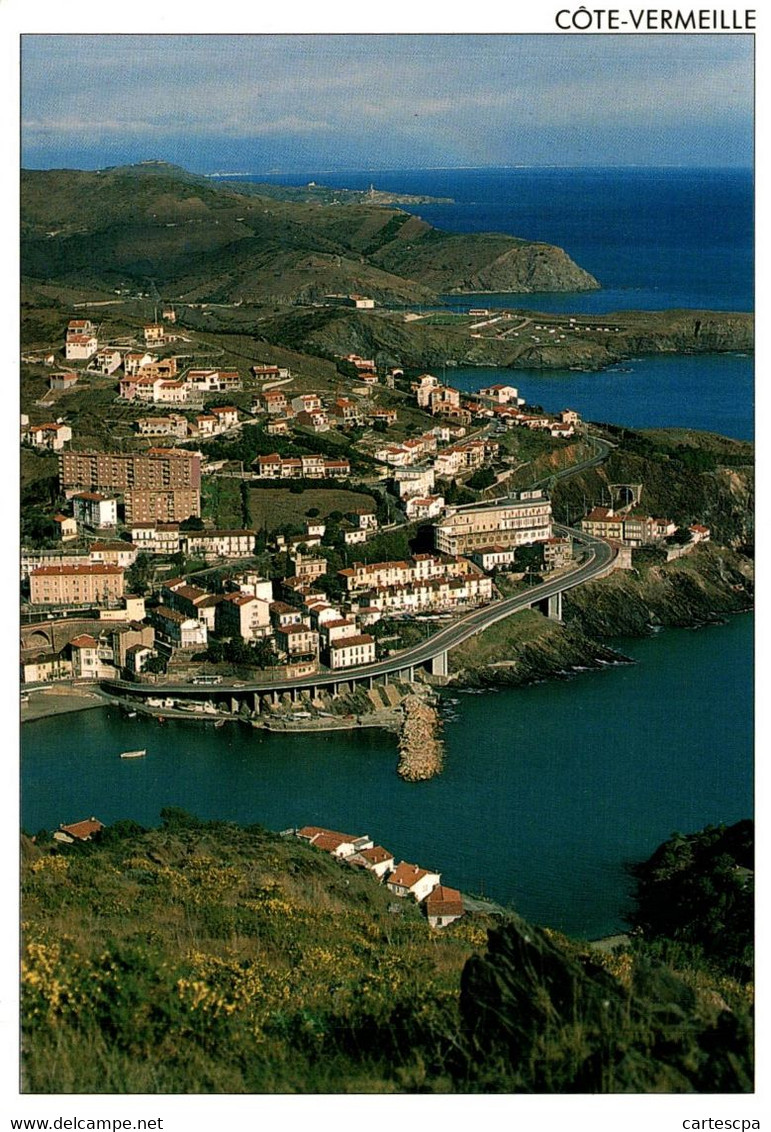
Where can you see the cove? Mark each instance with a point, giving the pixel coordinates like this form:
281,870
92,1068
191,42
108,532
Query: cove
547,791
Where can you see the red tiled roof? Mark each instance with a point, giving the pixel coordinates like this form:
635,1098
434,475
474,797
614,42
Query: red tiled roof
407,875
84,641
64,571
83,830
444,901
350,642
377,855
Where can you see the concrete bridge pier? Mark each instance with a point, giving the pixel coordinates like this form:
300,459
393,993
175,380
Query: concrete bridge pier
439,664
555,607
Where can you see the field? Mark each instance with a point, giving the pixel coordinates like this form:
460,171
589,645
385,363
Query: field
272,507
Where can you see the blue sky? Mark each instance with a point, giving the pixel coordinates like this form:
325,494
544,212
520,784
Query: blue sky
322,102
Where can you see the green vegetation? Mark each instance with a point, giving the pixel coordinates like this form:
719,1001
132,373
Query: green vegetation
695,895
222,499
271,508
204,958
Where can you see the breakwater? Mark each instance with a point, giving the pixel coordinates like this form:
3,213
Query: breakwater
421,751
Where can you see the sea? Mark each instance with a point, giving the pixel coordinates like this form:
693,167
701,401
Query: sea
548,792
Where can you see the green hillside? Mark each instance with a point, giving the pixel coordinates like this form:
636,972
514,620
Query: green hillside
205,958
205,240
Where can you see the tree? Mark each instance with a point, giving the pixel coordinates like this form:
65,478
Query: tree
155,665
139,576
192,523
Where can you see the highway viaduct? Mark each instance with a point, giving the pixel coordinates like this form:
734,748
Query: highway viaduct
597,559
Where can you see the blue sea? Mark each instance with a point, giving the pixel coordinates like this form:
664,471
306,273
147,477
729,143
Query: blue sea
654,238
547,791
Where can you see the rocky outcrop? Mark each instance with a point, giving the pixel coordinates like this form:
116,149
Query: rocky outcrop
540,1017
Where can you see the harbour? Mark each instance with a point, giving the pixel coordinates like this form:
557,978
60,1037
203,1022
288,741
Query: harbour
546,792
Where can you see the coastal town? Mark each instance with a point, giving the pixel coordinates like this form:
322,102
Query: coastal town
130,574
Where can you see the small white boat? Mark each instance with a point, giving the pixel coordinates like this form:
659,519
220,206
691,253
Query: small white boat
133,754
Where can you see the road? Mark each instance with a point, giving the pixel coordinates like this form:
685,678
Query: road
599,558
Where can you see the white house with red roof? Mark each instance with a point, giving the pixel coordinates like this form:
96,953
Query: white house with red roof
443,905
376,860
411,880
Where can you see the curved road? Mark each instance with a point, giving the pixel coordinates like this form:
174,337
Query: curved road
596,563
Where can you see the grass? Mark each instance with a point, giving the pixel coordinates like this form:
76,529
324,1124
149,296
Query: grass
212,959
271,507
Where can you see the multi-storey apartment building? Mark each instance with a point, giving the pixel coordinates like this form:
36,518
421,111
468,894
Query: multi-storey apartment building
95,584
157,469
514,523
149,506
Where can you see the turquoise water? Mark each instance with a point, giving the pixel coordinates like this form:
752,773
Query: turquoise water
546,791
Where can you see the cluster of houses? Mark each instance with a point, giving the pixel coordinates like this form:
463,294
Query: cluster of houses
442,905
500,403
634,528
308,411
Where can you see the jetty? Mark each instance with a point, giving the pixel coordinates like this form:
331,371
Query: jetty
421,750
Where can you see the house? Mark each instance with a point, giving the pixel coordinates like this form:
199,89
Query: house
279,426
226,415
62,381
114,551
427,507
106,361
242,615
347,413
699,533
298,640
282,615
91,659
133,363
137,657
415,480
423,388
156,538
444,399
354,536
177,630
376,860
443,905
275,401
382,416
79,831
219,544
502,394
410,880
172,425
68,527
493,557
265,372
306,403
316,421
347,652
154,335
339,844
52,435
80,347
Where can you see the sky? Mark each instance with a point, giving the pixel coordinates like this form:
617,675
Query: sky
297,103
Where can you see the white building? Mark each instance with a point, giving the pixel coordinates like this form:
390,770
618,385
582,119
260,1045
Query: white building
410,880
94,510
347,652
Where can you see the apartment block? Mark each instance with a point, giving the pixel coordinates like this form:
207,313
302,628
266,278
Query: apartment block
95,584
514,523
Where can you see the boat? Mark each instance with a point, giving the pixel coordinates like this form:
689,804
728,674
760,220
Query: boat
220,723
133,754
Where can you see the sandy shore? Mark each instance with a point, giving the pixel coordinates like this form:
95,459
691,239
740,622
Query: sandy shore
57,700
